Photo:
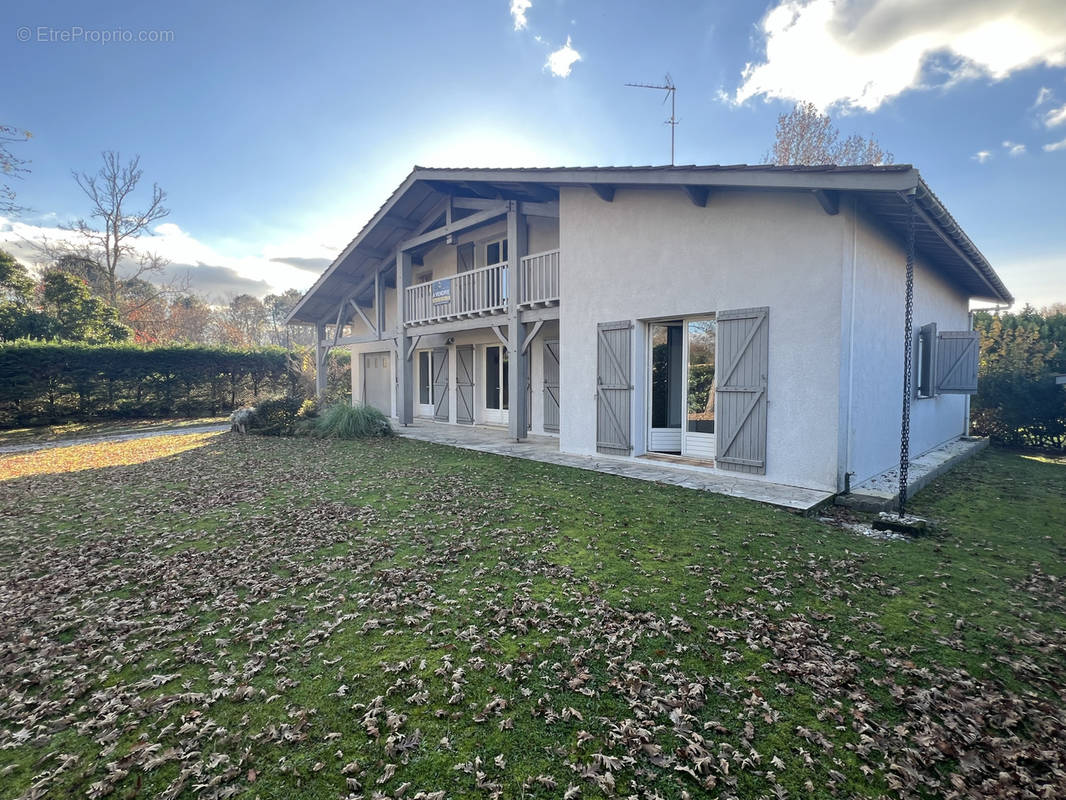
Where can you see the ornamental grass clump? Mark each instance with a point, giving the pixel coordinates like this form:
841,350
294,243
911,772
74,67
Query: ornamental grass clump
343,421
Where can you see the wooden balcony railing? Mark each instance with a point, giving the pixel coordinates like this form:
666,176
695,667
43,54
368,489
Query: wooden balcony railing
481,292
538,279
474,293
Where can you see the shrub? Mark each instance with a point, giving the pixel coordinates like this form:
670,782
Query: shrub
344,421
59,381
275,416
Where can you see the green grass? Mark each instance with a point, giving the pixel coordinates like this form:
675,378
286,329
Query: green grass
80,430
620,637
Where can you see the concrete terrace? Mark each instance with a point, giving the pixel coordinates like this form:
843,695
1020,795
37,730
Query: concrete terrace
546,449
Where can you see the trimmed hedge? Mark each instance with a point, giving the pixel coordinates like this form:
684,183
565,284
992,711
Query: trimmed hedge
49,382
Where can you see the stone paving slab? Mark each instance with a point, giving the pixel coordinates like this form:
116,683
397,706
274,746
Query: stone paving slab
881,492
546,449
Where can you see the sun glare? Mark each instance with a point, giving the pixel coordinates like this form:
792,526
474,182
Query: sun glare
53,460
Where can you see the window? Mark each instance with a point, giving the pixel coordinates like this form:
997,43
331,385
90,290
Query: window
925,361
495,252
424,277
425,377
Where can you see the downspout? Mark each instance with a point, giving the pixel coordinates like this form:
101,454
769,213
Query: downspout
908,327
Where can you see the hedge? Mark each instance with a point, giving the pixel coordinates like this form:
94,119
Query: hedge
49,382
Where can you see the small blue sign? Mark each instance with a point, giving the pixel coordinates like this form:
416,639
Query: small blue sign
442,292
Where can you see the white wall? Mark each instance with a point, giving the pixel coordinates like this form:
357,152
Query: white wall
877,355
653,253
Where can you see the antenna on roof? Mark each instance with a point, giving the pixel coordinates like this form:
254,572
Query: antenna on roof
671,91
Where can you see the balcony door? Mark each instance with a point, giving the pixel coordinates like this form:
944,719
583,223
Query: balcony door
494,394
681,387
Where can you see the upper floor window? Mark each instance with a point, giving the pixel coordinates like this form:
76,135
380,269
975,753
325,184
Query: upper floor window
495,252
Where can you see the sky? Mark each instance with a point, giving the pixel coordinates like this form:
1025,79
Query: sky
278,129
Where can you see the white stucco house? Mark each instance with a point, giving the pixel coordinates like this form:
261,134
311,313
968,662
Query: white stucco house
735,319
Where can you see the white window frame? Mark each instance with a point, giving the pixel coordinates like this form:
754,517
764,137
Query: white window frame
493,416
925,357
502,242
423,409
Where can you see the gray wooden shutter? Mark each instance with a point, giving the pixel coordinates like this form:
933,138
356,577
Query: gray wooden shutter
956,362
551,386
464,384
614,387
440,384
742,365
464,257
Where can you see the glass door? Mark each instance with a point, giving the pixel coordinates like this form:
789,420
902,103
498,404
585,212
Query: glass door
667,386
681,390
496,375
700,341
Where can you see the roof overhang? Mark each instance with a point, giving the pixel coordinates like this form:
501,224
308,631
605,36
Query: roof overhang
884,191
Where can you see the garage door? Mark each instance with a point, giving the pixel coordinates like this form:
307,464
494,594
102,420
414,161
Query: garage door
377,387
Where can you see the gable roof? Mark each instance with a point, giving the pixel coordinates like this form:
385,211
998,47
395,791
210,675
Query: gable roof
882,190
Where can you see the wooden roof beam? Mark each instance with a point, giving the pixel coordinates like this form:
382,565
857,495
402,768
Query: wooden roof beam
697,194
829,200
604,191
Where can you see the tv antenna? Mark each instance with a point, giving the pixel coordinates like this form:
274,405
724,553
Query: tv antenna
671,92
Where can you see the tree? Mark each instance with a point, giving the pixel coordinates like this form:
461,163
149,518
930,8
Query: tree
12,166
190,320
278,307
1018,402
807,137
76,314
106,242
15,282
18,319
244,321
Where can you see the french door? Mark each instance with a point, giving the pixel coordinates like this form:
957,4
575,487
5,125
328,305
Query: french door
681,387
494,397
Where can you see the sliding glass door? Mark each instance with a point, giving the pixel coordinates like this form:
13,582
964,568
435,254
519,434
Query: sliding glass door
681,391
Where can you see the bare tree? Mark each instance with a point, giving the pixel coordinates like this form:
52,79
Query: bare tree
12,167
805,136
110,239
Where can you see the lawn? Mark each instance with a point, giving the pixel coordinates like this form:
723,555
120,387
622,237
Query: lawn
303,618
81,430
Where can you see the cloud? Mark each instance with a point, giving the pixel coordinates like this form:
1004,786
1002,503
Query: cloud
518,13
1042,96
315,265
1053,146
254,269
215,282
1014,149
863,53
562,60
1055,116
981,156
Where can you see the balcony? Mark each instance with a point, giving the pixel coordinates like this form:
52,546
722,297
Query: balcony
483,292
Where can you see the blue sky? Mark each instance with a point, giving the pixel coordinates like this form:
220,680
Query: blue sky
278,128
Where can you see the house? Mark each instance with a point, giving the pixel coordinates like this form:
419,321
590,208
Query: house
740,319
